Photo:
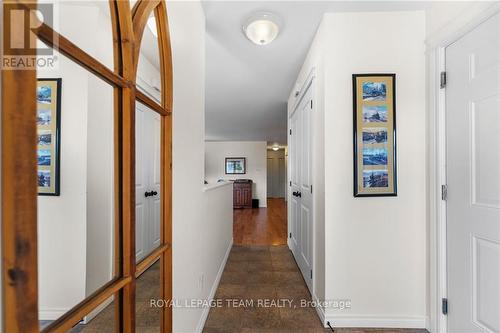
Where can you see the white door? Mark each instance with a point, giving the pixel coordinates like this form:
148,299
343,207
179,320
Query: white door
155,179
148,175
301,189
473,176
141,183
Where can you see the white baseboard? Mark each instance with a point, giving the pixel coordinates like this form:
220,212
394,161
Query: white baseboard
375,321
428,323
97,310
51,313
320,311
204,315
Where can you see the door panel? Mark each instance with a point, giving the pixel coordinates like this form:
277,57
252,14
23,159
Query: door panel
140,184
156,179
473,206
148,175
301,180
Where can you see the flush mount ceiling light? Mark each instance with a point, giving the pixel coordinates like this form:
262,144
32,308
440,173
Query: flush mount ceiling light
152,25
262,28
275,147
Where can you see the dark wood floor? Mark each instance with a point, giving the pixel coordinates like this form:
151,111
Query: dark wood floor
261,226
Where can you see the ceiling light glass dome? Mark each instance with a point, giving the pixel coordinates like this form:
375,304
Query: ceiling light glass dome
262,28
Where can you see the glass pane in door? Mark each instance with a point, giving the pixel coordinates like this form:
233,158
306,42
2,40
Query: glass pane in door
148,70
148,180
76,183
87,24
148,300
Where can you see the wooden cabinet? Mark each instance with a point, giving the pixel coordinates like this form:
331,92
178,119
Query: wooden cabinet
242,193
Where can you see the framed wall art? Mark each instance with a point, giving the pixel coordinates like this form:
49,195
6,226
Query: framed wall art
374,100
48,120
235,165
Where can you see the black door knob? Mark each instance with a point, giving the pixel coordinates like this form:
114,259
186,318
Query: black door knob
148,194
299,194
154,192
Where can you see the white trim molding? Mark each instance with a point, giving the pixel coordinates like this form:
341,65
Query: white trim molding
319,310
50,314
375,321
213,290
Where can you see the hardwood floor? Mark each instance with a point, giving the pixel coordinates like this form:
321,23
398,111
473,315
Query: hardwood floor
261,226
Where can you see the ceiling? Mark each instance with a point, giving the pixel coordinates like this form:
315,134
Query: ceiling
247,86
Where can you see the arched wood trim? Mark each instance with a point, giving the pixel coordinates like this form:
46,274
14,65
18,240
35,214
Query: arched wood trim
166,129
140,14
125,297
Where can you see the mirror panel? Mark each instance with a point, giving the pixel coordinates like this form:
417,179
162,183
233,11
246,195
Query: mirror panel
87,24
148,176
75,155
148,315
148,68
102,320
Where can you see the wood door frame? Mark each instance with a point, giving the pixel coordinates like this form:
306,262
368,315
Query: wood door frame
436,115
19,186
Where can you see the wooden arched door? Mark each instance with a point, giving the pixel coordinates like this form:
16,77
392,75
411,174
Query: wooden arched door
19,167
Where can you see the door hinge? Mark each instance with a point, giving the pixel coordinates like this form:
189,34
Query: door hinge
311,103
311,189
290,131
444,306
290,235
290,183
444,192
443,80
311,273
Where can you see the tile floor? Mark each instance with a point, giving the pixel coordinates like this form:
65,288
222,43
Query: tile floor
147,318
267,272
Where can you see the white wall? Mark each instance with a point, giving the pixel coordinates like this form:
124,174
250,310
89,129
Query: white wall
75,229
375,248
256,164
384,270
202,221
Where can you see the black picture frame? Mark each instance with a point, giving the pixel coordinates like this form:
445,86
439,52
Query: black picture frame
235,160
362,105
55,144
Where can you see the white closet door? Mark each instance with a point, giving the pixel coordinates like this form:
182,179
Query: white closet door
148,177
295,180
473,176
301,196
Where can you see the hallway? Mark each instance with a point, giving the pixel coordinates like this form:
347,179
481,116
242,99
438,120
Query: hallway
261,273
261,226
261,270
255,276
